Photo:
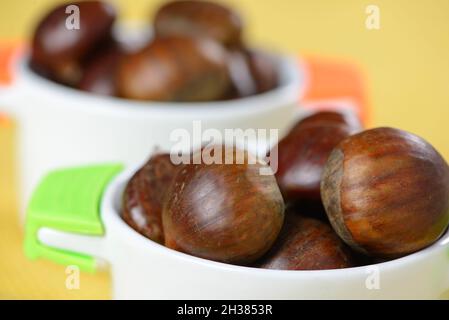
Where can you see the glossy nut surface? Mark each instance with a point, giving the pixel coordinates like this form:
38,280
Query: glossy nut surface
386,192
243,83
199,19
144,195
175,69
252,72
303,153
223,212
263,70
322,118
100,73
59,52
307,244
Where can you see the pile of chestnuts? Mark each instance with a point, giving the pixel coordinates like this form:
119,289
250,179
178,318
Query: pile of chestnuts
197,54
341,197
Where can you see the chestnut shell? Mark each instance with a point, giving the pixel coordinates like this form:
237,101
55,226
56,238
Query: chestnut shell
59,53
251,72
243,83
303,153
386,192
99,76
321,118
263,70
307,244
223,212
144,195
175,69
199,19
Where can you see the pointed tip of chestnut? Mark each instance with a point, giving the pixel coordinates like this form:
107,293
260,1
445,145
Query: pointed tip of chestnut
386,192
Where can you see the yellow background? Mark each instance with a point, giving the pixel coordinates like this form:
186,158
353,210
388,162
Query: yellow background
406,62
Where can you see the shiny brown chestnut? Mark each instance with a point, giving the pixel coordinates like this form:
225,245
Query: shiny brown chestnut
348,119
243,83
223,212
175,69
263,70
99,76
386,192
307,244
59,52
199,19
303,153
144,195
251,72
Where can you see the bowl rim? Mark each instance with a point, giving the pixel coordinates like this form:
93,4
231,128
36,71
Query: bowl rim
110,215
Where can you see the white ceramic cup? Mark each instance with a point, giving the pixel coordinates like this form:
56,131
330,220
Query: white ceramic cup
60,126
143,269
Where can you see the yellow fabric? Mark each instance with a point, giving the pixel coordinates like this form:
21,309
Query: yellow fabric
406,62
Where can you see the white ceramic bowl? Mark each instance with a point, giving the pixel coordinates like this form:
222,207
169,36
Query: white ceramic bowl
143,269
59,126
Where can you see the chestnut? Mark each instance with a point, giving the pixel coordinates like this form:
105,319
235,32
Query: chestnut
251,72
386,192
263,70
333,117
302,154
144,195
307,244
243,83
175,69
223,212
199,19
99,75
59,52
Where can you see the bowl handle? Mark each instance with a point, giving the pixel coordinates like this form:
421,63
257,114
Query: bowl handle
63,221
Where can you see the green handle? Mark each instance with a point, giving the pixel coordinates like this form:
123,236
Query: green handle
68,200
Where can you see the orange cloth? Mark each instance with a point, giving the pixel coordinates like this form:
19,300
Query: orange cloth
333,79
4,121
9,50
